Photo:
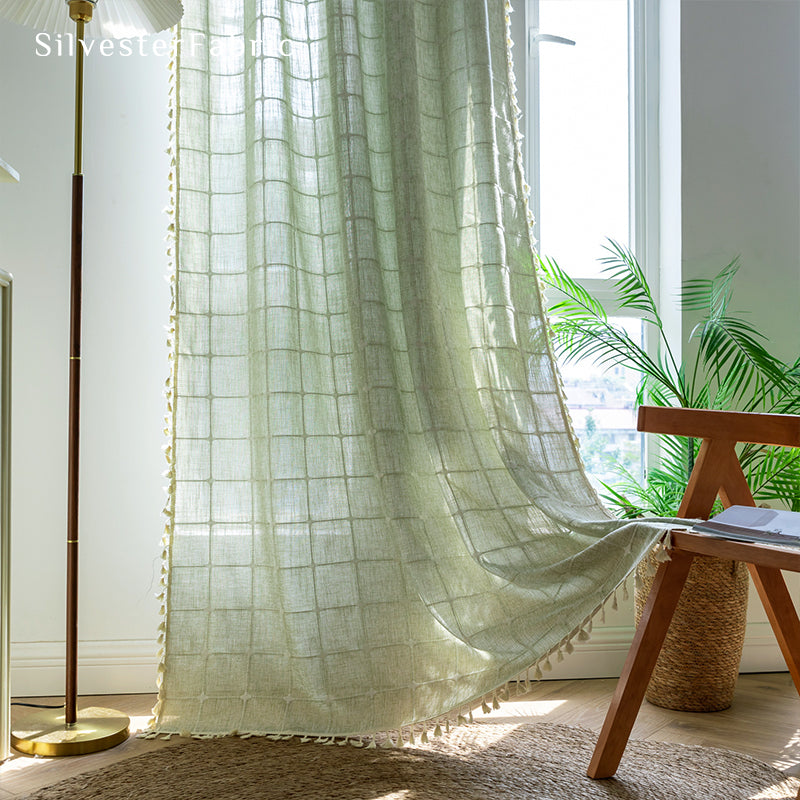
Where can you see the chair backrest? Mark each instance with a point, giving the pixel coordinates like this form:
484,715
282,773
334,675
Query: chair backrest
717,471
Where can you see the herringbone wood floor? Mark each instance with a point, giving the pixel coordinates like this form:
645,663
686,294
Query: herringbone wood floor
764,721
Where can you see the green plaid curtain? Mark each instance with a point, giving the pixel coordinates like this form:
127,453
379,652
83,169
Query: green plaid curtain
378,513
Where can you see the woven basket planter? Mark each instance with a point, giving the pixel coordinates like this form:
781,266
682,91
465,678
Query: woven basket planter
699,663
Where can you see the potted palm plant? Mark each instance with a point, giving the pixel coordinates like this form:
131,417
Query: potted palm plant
726,365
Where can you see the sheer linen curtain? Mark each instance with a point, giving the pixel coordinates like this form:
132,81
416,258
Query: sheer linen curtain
378,513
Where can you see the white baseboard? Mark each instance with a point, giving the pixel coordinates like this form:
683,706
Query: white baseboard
104,667
604,654
761,652
129,666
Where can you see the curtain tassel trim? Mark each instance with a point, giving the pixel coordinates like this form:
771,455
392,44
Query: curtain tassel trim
170,383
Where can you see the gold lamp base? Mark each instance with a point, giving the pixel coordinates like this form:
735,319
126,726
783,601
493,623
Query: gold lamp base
46,733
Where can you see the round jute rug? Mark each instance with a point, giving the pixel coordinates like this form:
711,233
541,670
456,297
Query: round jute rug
475,762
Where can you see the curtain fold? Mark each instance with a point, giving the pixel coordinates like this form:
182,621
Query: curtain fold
378,512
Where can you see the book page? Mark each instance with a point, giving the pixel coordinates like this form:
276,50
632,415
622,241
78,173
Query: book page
763,524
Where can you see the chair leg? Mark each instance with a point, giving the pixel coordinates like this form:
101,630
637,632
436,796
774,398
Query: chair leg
781,614
639,665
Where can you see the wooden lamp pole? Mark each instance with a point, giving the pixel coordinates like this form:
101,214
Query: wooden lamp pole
81,12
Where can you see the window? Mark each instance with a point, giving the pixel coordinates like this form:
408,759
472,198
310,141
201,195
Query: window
591,124
580,164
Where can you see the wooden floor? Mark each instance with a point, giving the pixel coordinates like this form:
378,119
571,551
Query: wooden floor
764,721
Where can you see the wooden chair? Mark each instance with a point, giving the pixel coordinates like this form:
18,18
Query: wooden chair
716,472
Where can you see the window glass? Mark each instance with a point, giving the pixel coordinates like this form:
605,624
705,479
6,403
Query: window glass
583,194
580,124
602,405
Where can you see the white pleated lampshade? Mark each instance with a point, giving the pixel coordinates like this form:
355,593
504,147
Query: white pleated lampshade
114,19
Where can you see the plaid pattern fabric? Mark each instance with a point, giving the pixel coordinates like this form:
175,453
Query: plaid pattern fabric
378,511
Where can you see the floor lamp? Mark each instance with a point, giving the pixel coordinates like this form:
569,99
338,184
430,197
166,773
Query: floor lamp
67,731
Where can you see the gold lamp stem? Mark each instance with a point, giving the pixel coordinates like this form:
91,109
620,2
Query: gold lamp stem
80,25
81,11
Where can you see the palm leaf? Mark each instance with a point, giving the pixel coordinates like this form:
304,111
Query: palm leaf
731,353
773,473
581,329
730,349
658,495
710,295
574,299
630,282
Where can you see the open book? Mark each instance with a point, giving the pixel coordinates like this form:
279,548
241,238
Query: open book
748,524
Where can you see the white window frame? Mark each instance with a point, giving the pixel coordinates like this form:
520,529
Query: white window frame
654,146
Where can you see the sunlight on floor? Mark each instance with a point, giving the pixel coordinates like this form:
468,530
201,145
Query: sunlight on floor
769,794
541,708
512,710
18,762
139,723
789,757
490,735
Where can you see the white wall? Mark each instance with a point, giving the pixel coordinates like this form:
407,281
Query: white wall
741,182
741,155
124,364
